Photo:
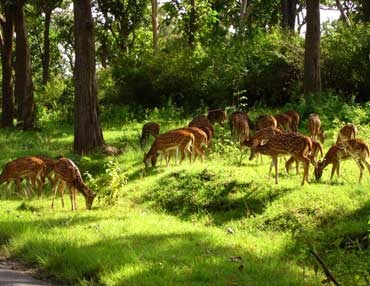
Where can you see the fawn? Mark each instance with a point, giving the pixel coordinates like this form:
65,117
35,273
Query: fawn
217,115
347,132
357,149
265,121
149,128
297,145
314,125
166,142
284,122
294,119
30,168
68,174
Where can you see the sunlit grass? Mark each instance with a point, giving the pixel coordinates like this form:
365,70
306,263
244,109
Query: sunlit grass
220,222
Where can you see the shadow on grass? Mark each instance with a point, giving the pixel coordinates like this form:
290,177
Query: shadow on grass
185,194
189,258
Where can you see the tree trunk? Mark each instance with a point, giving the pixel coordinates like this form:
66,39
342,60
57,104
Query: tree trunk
87,132
288,14
46,54
343,15
312,78
6,60
366,10
192,24
155,24
23,76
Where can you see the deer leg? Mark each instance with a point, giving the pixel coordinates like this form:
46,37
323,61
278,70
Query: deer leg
361,167
306,164
366,164
55,188
275,162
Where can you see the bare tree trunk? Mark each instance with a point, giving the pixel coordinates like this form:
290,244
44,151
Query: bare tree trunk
192,24
46,54
288,13
23,76
87,132
312,77
343,14
366,10
155,24
6,60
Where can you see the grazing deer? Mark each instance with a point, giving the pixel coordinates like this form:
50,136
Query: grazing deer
166,142
149,128
261,137
200,141
217,115
357,149
49,167
316,149
314,125
30,168
68,174
239,114
294,144
347,132
294,119
241,128
335,154
203,123
265,121
283,121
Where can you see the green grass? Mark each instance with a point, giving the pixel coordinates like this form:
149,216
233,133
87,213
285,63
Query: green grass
221,222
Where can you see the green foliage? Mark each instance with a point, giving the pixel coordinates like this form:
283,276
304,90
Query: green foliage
345,60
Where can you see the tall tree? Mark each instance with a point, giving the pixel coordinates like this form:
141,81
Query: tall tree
7,26
288,13
23,77
366,9
312,77
155,24
46,7
87,131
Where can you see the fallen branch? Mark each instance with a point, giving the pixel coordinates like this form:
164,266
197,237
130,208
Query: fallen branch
329,275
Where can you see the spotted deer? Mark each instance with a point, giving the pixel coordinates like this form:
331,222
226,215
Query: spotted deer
316,150
217,115
294,144
30,168
204,124
283,121
49,167
241,128
68,175
149,128
347,132
265,121
294,119
314,126
167,142
200,141
261,137
356,149
238,114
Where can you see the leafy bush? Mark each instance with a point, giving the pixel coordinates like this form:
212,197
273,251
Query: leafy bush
346,69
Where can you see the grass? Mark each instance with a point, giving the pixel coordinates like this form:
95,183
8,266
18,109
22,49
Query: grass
220,222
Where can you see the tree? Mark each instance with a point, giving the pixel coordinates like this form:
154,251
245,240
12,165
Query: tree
312,78
155,24
7,26
23,77
46,7
87,131
288,12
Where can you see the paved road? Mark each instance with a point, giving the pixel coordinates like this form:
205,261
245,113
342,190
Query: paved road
9,277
